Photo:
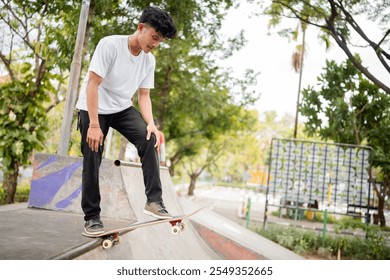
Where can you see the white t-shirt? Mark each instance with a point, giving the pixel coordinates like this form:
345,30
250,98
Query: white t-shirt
123,74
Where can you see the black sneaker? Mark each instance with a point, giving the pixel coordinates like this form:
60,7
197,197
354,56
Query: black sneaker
157,210
93,227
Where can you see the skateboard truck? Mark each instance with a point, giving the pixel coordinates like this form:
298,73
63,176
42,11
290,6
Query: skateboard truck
177,226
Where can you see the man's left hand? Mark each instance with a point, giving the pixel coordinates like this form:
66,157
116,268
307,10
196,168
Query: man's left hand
151,128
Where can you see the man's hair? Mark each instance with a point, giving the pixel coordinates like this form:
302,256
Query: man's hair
159,20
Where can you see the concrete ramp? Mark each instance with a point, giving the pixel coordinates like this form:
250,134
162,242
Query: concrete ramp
56,185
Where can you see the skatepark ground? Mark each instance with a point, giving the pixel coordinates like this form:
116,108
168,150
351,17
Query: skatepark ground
49,226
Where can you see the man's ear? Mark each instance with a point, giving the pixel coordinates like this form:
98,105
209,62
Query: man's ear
141,26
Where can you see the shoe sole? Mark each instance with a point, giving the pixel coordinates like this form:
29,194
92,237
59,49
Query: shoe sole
92,234
157,216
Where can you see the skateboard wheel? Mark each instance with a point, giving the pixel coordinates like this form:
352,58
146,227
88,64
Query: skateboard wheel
176,230
183,226
106,244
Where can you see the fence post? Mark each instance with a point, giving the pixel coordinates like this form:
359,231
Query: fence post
325,221
248,210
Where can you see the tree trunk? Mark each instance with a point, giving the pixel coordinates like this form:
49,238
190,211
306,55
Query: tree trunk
91,12
299,82
381,215
171,169
340,40
381,191
10,182
173,161
164,95
191,188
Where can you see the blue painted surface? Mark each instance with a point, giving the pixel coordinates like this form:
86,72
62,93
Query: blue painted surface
63,204
44,189
47,162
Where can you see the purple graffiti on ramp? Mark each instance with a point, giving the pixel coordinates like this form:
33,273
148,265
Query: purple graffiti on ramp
47,162
63,204
44,189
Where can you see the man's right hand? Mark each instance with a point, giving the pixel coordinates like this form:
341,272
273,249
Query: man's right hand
95,138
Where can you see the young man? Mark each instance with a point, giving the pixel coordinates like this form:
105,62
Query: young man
120,66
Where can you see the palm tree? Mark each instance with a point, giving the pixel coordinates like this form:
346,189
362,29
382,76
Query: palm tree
297,63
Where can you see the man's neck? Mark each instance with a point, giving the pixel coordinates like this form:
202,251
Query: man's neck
133,45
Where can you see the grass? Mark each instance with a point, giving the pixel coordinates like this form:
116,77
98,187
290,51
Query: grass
22,193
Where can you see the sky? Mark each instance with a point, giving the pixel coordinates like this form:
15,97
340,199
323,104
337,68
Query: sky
271,56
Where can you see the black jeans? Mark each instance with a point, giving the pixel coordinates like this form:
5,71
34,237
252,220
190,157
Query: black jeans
132,126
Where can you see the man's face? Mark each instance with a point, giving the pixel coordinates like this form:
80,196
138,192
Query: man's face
149,38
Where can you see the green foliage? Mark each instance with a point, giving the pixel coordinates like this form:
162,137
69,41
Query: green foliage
349,223
345,102
22,194
3,196
347,108
306,242
22,119
33,63
315,12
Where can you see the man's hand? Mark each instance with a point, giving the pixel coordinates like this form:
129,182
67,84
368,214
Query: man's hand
151,128
95,138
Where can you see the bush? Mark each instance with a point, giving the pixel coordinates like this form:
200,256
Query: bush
2,195
22,194
306,242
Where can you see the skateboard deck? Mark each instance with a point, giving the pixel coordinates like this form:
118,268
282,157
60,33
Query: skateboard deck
112,237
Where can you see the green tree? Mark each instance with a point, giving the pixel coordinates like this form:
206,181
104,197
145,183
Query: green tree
35,54
347,108
207,156
236,148
337,19
22,124
27,60
241,152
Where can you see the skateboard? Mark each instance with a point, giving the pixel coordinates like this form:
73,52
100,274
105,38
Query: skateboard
113,237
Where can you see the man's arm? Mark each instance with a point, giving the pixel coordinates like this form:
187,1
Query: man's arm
94,134
145,105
